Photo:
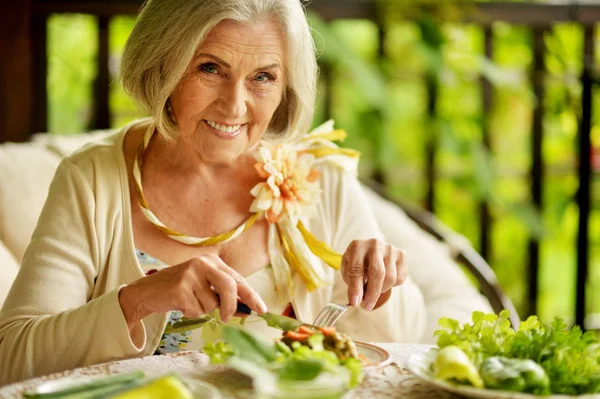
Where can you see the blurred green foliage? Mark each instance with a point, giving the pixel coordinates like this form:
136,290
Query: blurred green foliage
72,49
378,92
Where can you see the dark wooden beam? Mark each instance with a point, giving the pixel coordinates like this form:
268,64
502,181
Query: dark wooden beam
485,218
39,53
15,71
101,119
432,142
379,174
351,9
536,14
537,164
583,193
522,13
105,8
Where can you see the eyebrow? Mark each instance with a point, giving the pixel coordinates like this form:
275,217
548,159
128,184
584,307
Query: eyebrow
226,65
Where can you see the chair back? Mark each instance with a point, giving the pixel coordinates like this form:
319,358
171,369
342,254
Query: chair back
461,252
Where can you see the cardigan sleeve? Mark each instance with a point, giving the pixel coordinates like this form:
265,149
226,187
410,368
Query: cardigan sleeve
50,321
402,318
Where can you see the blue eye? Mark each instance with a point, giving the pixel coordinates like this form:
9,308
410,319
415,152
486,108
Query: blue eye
209,68
264,77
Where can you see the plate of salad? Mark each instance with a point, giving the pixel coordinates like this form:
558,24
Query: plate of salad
306,362
487,358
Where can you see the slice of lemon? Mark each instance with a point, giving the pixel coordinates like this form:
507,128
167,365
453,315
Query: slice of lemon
169,387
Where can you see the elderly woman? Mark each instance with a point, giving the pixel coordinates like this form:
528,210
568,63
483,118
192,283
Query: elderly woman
222,184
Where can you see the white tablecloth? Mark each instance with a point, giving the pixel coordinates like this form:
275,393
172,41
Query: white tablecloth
392,381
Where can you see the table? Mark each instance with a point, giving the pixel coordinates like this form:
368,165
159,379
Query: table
392,381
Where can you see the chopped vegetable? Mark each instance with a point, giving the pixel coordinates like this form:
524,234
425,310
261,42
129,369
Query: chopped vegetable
518,375
339,343
327,331
451,363
306,330
297,336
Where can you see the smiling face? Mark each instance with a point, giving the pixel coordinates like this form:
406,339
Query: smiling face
232,87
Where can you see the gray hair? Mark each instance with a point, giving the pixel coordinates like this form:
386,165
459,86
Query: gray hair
168,32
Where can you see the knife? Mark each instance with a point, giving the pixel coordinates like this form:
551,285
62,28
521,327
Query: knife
273,320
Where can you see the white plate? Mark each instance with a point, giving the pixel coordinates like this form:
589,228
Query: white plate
419,365
376,357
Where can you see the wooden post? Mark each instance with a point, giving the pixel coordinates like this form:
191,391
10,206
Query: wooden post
583,193
485,219
379,173
537,164
16,96
40,71
101,119
432,143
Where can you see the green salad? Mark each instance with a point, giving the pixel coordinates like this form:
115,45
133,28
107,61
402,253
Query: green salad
271,364
537,358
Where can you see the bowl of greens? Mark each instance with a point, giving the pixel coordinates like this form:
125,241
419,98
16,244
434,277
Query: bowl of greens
487,358
305,363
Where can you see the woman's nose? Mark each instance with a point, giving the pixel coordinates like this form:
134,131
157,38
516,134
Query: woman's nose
234,100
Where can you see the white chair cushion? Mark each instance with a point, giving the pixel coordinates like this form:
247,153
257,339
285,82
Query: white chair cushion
64,145
8,269
446,290
26,171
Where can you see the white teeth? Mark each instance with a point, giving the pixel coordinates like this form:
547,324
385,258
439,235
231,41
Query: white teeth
223,128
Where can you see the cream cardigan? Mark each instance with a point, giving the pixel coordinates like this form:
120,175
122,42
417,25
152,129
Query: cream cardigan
63,311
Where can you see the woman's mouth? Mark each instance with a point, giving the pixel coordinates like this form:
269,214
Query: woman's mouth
224,131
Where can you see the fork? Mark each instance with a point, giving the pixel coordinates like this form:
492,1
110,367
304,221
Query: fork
330,314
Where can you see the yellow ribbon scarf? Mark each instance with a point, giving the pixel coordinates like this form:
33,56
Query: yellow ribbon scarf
290,191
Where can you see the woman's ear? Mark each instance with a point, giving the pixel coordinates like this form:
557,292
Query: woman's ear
170,112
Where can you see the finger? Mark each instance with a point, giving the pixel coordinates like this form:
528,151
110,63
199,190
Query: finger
190,295
190,305
345,262
245,292
354,272
226,287
391,269
206,297
249,296
375,274
401,268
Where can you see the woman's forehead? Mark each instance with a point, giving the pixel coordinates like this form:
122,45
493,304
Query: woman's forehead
263,39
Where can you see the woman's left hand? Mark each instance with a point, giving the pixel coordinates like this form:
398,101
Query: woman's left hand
376,263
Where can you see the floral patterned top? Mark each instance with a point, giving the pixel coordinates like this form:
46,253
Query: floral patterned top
262,281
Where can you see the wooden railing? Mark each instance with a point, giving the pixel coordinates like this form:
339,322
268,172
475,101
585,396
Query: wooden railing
538,16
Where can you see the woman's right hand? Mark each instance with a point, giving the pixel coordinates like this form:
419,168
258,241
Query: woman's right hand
190,287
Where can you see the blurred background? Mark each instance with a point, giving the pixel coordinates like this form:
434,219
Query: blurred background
485,113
